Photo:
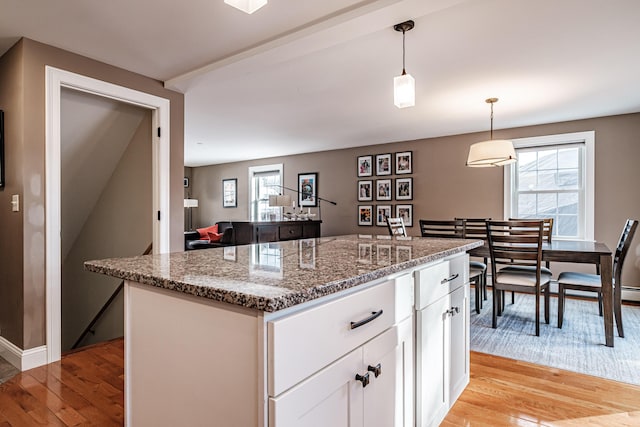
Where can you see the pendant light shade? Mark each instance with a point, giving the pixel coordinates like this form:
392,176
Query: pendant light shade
404,91
404,85
493,152
247,6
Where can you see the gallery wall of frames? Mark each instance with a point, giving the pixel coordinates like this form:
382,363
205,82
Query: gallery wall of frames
385,188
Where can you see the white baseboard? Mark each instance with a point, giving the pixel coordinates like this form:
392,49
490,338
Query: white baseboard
23,359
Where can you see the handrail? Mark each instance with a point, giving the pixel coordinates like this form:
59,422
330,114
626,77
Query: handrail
104,307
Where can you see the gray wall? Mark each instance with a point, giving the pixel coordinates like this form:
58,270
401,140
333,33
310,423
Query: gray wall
22,78
443,186
119,225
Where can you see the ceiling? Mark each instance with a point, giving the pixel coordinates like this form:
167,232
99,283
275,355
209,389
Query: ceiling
306,75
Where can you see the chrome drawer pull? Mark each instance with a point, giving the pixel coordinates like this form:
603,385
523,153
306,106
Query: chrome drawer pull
374,315
449,279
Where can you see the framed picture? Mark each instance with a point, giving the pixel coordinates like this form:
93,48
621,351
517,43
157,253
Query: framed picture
383,164
230,193
308,189
383,254
406,213
404,188
365,167
307,251
365,215
1,148
382,213
404,163
364,253
229,253
383,189
365,191
185,182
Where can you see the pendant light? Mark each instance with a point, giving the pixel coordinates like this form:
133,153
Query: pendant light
247,6
498,152
404,85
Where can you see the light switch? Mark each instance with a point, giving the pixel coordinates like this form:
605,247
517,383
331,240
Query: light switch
15,203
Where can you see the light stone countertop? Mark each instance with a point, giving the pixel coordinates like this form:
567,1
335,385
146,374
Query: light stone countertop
274,276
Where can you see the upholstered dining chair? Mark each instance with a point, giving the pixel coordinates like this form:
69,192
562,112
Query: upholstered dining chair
520,248
592,283
445,229
396,227
476,228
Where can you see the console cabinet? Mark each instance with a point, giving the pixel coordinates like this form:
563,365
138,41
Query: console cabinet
273,231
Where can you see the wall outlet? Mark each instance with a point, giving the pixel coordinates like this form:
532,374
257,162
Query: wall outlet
15,203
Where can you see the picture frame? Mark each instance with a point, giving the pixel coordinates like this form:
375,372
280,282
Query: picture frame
406,213
404,162
382,213
230,193
2,183
383,189
365,215
307,253
365,165
404,188
383,164
185,182
308,189
365,191
229,253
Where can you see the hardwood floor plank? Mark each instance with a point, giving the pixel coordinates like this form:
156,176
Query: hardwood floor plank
504,392
46,397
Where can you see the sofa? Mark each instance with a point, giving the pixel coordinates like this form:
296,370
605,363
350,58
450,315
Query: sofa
194,239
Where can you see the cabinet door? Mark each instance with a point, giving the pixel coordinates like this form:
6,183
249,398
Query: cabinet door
388,398
459,338
432,349
331,397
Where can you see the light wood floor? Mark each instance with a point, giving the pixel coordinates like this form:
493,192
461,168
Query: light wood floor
86,388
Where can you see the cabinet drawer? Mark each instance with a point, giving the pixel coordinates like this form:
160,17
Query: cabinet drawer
305,342
288,232
267,233
437,280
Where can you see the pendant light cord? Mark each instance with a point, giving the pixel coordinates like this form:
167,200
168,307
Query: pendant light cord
491,137
403,51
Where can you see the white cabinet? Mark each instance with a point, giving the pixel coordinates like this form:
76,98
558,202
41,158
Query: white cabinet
442,338
367,387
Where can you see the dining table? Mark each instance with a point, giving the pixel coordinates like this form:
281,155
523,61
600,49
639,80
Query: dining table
584,252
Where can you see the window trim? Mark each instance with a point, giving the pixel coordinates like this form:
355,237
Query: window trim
257,169
589,139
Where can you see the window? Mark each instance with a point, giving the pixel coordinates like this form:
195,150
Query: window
264,181
554,178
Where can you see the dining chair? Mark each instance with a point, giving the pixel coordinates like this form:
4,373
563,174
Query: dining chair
592,282
523,248
448,229
396,227
476,228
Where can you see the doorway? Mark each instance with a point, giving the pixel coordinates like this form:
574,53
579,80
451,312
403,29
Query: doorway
56,80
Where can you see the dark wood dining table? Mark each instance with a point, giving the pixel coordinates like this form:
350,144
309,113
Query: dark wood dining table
579,251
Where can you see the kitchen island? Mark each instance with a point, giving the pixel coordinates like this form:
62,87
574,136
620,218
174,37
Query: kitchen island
306,332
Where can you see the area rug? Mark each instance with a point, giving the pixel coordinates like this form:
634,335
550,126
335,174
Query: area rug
578,346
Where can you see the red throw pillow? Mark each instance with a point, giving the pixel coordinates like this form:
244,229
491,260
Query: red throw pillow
215,237
203,231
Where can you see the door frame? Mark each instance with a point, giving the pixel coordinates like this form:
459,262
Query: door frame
55,80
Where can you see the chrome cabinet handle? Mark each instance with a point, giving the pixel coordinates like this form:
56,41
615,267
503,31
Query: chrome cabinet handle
449,279
452,311
364,379
374,315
